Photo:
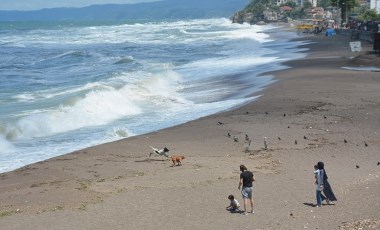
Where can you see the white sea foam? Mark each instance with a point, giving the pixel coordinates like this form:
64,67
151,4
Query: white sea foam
104,83
100,106
222,66
149,31
363,68
117,133
6,146
24,97
59,91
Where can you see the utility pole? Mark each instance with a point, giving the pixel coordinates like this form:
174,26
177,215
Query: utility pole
345,12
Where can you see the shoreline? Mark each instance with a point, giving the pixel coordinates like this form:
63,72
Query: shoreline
116,185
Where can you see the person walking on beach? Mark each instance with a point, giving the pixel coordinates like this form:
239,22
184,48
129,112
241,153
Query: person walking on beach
319,183
316,173
246,180
327,190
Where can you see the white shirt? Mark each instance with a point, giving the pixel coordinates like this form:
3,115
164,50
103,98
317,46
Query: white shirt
319,174
235,203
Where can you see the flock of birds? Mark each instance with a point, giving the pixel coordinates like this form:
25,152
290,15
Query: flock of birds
248,140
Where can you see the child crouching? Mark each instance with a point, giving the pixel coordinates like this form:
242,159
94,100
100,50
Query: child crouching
234,204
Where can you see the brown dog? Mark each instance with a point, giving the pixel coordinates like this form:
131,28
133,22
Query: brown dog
177,159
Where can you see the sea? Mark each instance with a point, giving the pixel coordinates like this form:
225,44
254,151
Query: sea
65,86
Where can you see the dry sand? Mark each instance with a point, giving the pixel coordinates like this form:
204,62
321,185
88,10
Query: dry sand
117,186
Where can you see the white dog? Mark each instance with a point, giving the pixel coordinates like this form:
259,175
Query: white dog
161,152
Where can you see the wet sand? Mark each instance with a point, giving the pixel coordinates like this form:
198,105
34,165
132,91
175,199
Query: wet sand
304,118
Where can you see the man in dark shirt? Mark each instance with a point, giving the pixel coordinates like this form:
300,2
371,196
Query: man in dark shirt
246,179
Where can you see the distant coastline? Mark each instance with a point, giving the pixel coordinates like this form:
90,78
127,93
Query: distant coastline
160,10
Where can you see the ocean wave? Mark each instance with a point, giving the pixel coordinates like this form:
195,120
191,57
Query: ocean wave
104,83
100,106
13,44
125,60
6,146
222,66
152,33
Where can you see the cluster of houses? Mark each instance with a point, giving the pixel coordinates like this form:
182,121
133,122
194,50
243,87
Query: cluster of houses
373,4
332,14
315,12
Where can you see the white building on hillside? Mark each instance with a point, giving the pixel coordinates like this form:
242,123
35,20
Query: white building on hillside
375,4
299,2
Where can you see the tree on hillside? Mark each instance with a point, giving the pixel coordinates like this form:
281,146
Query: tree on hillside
307,5
257,7
369,15
350,4
325,3
290,4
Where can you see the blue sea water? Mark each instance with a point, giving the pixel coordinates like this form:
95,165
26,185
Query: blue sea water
66,86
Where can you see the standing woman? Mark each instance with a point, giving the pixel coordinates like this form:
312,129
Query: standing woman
246,179
319,186
327,190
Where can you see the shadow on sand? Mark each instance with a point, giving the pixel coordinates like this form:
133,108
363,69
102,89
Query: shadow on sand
314,205
238,211
310,204
150,160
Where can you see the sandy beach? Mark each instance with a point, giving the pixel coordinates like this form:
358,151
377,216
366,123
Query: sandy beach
305,117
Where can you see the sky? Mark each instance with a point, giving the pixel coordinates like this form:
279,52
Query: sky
41,4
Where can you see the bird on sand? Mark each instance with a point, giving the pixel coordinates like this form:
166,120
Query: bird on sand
266,113
295,142
220,123
279,138
228,135
304,137
378,163
365,144
345,141
357,166
246,137
236,139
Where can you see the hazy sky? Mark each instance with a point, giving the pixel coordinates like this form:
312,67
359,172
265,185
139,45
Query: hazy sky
40,4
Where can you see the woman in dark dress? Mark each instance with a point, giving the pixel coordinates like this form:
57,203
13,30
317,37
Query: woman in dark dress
327,190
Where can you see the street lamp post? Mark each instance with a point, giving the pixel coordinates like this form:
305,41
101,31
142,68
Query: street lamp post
339,13
345,12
